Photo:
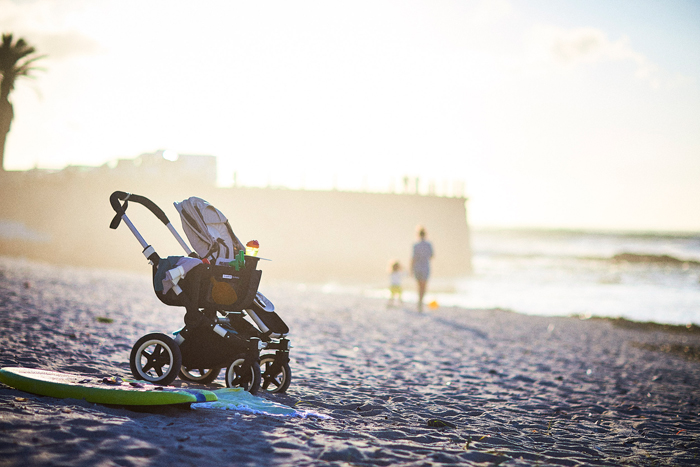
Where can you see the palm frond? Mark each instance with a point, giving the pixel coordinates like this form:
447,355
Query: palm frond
16,60
26,67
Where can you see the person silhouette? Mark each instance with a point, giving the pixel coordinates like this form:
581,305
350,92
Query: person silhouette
420,264
395,288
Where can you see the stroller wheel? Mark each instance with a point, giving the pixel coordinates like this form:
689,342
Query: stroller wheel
203,376
241,374
274,379
155,358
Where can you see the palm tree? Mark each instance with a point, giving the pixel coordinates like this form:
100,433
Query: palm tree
15,62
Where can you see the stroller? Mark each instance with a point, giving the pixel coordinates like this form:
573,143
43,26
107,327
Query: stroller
227,321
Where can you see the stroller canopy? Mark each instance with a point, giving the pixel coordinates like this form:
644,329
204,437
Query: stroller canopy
208,230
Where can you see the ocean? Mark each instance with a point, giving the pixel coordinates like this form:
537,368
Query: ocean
562,273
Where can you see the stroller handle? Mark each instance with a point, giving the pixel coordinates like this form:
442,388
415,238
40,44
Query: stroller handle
120,209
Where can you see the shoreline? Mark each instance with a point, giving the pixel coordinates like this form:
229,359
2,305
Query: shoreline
376,287
650,325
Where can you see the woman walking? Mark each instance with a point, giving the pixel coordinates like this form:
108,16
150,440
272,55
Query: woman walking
420,264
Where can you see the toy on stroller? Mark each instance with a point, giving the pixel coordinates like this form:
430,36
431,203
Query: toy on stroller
227,321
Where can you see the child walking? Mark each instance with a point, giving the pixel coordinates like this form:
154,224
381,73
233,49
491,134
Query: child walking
395,283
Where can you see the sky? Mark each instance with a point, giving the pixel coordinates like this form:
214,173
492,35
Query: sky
580,114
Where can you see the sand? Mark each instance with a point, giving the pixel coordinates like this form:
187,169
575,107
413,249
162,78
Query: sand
505,389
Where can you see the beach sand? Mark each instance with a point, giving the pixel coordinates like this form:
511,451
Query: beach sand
517,390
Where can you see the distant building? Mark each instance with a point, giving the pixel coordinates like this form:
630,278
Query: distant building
161,166
165,166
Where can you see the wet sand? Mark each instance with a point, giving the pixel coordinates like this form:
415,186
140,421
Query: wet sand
505,389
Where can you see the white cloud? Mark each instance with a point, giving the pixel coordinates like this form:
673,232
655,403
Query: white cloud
579,45
554,47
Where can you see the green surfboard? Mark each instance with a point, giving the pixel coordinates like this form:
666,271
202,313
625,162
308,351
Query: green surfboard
112,391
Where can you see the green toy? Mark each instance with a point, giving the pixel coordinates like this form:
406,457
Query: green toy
239,261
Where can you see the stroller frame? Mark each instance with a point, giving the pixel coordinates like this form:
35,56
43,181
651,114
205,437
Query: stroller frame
209,342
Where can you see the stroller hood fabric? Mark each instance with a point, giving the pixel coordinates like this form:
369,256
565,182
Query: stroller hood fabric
208,230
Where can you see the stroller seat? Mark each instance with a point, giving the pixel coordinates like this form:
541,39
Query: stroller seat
208,231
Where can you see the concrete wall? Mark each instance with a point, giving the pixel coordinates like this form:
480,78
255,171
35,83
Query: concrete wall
309,235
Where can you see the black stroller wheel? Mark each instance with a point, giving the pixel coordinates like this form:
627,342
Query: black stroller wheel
273,379
202,376
155,358
242,374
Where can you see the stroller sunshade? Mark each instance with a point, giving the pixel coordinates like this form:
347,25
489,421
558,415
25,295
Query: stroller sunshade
208,230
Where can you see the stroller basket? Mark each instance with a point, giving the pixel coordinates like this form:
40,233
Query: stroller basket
215,287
